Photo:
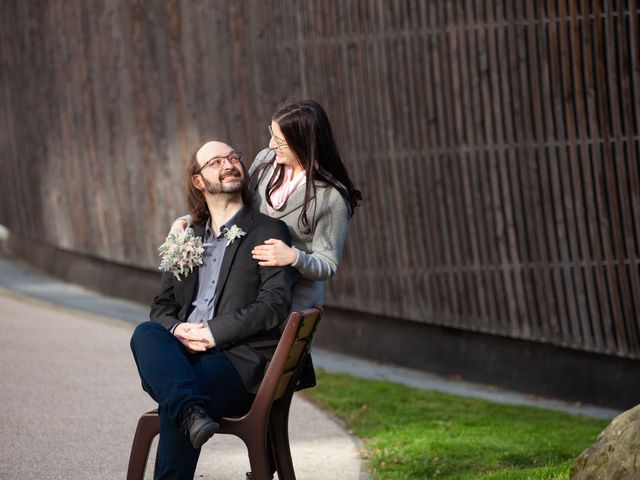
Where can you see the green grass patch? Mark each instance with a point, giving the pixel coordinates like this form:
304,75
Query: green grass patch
419,434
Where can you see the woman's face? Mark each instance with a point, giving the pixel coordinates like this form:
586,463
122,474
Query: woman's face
284,154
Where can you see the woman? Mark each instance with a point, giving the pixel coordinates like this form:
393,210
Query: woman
301,180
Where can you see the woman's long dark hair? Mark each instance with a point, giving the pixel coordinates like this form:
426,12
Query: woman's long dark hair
307,131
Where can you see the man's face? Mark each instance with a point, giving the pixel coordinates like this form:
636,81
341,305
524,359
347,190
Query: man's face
226,177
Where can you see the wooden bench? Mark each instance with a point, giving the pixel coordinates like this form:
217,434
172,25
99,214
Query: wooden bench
269,413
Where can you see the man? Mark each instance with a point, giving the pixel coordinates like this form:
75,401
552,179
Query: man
204,352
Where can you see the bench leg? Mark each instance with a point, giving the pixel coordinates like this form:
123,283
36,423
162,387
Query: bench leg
148,428
258,457
279,437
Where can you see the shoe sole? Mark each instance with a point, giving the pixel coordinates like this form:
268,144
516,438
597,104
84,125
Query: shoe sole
203,435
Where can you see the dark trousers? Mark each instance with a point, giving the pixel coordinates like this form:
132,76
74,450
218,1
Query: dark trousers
177,379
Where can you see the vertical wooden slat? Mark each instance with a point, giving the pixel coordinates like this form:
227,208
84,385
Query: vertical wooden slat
548,160
472,292
632,113
507,249
425,145
583,280
559,173
483,262
513,274
428,136
618,91
415,243
608,206
547,300
588,128
473,284
523,134
514,133
448,159
433,127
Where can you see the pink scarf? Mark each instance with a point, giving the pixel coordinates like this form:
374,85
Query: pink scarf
280,195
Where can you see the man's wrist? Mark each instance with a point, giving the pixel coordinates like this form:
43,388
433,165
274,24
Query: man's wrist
173,329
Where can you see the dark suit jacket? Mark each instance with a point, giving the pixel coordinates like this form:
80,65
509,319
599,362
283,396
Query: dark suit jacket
251,301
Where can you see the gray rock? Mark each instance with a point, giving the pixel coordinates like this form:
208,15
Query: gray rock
615,455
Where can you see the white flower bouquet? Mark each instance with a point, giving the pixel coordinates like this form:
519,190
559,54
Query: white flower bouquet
181,252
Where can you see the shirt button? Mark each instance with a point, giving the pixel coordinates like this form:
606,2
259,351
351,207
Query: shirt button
206,299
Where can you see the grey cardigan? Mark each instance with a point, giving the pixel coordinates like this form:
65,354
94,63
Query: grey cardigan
319,251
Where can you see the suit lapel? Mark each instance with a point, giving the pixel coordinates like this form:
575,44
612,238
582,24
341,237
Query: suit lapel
244,220
191,282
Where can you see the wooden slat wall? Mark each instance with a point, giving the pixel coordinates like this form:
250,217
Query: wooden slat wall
102,102
496,143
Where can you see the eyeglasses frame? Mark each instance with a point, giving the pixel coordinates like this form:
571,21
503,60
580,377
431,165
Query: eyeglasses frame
279,142
217,162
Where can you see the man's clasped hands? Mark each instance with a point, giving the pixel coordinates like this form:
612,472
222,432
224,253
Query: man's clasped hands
196,337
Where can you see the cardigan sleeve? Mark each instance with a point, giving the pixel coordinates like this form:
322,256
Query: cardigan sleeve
187,218
264,156
329,236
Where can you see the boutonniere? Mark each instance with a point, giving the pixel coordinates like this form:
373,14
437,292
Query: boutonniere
233,233
181,252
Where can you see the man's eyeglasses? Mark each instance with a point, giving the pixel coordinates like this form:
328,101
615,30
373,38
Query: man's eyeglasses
217,162
279,142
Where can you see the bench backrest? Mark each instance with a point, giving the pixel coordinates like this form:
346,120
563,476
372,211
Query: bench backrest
286,365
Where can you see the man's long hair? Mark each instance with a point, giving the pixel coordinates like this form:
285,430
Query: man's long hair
195,198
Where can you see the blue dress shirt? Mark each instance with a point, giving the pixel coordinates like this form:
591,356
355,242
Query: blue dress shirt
209,271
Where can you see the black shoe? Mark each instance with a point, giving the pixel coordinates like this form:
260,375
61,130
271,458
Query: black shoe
197,425
250,476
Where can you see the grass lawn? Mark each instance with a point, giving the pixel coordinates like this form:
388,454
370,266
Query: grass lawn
419,434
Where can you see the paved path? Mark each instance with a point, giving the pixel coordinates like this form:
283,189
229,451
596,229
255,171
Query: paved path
71,398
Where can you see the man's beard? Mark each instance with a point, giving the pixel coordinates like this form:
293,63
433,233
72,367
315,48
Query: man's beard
220,187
